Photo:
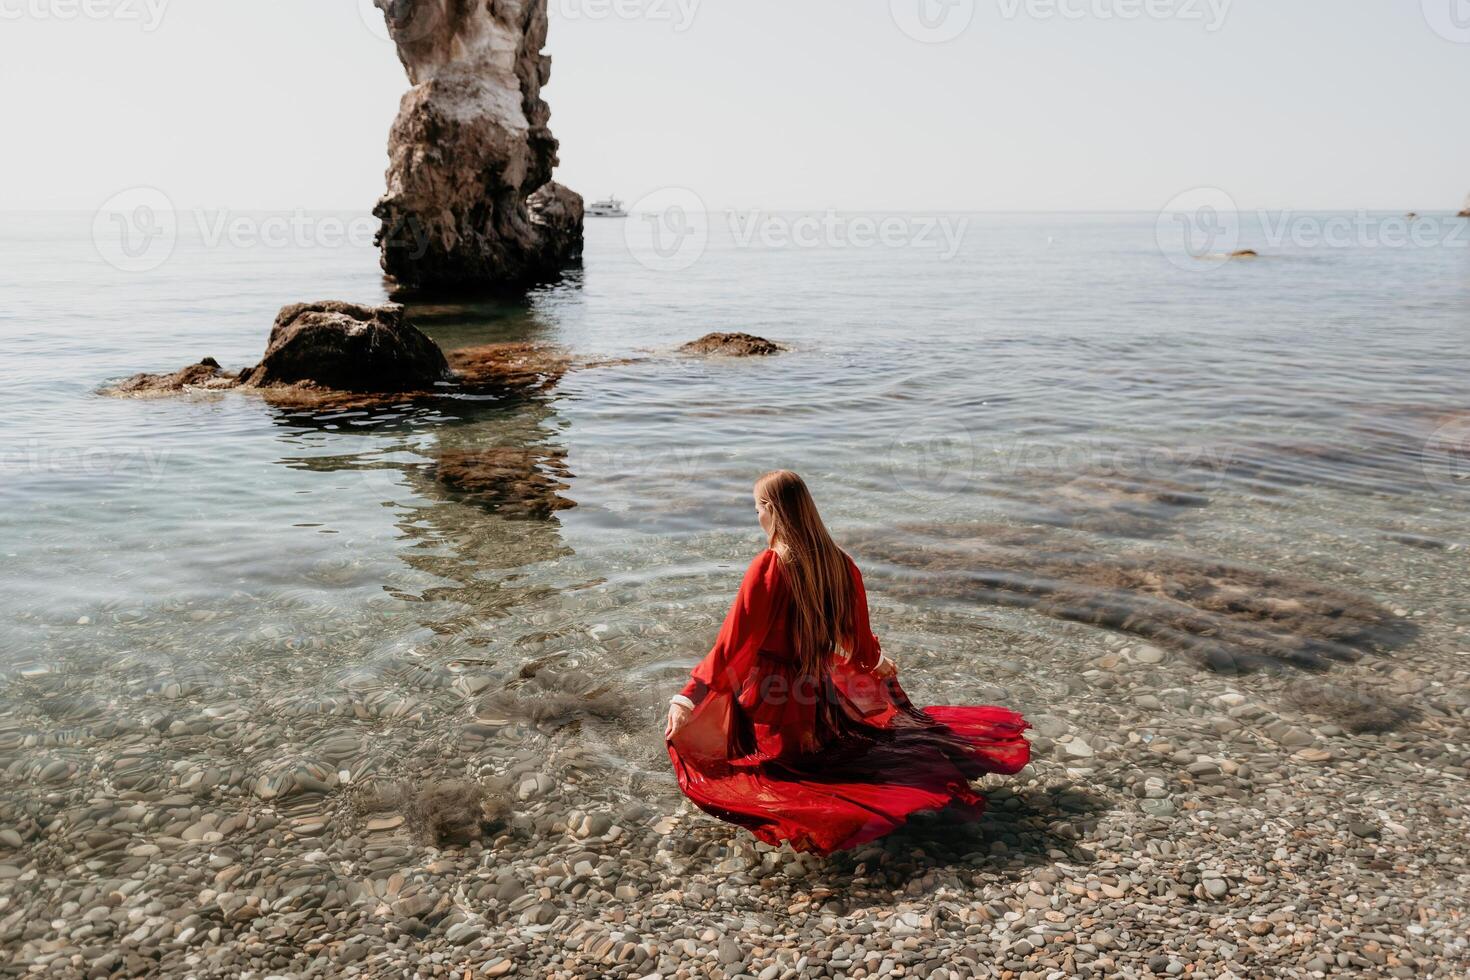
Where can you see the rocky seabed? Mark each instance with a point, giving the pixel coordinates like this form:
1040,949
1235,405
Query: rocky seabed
1174,823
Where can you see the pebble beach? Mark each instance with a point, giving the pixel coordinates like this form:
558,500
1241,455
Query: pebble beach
1187,828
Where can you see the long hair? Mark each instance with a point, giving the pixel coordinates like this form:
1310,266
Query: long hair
815,568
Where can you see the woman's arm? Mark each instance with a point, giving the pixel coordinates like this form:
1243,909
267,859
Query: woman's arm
744,630
868,657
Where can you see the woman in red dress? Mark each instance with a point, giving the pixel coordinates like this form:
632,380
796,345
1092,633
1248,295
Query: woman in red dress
794,726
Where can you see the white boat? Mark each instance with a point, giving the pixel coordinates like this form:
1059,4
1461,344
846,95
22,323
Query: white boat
609,207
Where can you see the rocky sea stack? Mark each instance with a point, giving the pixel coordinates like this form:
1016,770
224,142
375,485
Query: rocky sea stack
470,202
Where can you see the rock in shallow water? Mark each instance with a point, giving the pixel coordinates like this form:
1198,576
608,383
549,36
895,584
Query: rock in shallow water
206,374
332,355
732,345
347,347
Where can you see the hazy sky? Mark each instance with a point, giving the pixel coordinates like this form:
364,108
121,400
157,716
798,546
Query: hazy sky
1035,104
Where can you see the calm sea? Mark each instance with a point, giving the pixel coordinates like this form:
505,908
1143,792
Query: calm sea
279,588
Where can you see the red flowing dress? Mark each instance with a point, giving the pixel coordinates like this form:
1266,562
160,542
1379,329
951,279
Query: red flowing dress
824,763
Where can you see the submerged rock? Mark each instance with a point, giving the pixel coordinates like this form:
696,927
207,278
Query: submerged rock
509,367
732,345
1126,505
555,699
1357,708
347,347
1231,617
207,374
470,202
441,812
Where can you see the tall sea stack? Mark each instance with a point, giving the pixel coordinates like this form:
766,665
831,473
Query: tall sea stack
470,202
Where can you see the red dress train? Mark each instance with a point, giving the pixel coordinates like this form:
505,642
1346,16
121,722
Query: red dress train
824,763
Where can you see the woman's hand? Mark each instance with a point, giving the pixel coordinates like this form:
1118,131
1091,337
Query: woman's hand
886,668
678,716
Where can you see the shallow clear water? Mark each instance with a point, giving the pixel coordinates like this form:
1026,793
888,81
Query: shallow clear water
233,585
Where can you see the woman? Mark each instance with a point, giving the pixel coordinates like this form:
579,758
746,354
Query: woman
794,726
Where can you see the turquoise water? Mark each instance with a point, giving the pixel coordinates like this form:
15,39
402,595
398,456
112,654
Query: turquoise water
232,585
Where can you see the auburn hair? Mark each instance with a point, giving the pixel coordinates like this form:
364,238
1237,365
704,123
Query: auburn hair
816,570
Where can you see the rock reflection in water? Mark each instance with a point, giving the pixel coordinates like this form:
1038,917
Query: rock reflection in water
519,481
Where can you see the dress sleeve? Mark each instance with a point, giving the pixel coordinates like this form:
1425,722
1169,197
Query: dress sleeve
868,653
741,636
